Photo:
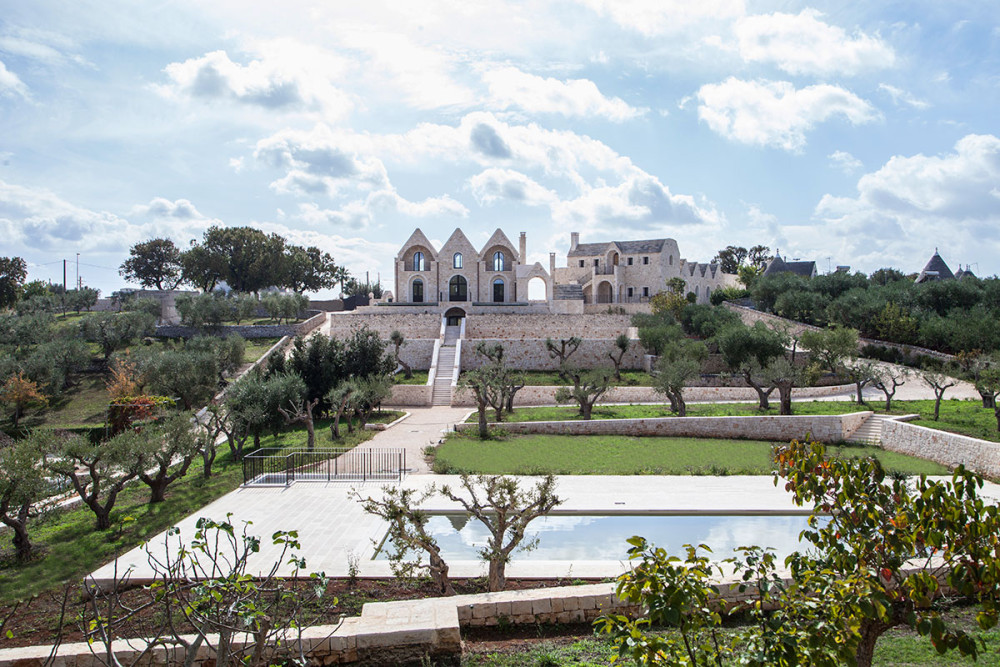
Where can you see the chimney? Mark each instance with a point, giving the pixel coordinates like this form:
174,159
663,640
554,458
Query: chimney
574,241
552,265
523,249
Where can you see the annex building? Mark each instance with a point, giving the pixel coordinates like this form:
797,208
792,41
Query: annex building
496,277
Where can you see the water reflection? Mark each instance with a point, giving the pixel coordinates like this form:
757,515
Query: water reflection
593,537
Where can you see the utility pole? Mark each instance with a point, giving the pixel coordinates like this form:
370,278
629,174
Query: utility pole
64,276
77,271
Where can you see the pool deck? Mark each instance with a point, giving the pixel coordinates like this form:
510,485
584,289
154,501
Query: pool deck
333,529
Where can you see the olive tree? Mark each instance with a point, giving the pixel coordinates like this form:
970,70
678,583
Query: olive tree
622,343
166,451
22,484
588,387
679,363
505,510
939,383
115,331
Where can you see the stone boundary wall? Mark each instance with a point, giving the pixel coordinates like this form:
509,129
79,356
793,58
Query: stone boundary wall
327,305
546,395
629,308
417,352
509,327
529,354
824,428
247,331
412,326
749,316
948,449
410,395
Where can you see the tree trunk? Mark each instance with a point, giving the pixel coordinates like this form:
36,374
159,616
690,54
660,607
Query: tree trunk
439,573
586,408
996,413
681,406
762,396
785,399
989,399
497,575
158,490
937,405
17,413
484,425
861,398
208,457
103,516
22,544
310,432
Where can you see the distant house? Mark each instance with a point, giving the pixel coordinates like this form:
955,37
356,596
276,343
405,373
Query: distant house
964,273
936,269
778,265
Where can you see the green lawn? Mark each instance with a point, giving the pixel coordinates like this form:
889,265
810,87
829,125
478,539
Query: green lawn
70,547
256,347
957,416
419,377
899,647
551,378
624,455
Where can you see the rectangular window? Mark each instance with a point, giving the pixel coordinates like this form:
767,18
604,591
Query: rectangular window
581,263
630,261
645,291
597,262
630,292
645,260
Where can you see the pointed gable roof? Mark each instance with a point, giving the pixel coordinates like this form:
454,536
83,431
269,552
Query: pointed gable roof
417,238
936,269
499,238
457,242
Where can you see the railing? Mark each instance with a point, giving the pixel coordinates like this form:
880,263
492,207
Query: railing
588,299
604,270
274,466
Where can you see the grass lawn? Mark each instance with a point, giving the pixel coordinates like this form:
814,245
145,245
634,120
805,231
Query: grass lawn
256,347
957,416
70,547
419,377
624,455
551,378
899,647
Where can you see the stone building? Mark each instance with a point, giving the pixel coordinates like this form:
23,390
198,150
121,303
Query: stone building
459,278
806,269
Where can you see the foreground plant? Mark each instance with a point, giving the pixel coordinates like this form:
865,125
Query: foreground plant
884,553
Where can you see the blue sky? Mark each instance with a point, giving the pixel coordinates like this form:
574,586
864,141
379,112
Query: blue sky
849,133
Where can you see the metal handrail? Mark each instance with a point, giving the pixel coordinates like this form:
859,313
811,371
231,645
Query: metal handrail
271,466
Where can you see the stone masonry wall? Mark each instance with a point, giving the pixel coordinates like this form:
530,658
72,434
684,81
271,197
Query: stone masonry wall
414,326
543,395
410,395
416,352
245,330
531,355
824,428
947,449
546,326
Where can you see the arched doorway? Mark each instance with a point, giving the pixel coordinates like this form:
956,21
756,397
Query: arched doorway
418,291
605,293
454,317
536,290
498,291
458,289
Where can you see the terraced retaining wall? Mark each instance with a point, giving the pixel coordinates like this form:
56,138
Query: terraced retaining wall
824,428
546,395
948,449
247,331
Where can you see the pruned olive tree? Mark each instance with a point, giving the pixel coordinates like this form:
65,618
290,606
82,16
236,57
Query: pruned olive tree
588,387
679,363
166,451
505,510
22,483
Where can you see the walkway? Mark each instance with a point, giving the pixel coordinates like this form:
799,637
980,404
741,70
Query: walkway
424,426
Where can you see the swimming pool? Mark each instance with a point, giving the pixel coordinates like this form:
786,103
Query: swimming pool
595,537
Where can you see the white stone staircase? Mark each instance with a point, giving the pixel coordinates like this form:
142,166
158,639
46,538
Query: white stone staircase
870,432
441,394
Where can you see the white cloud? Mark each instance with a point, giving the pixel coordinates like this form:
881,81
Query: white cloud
362,213
654,17
903,208
11,84
285,75
43,46
161,208
900,96
493,185
845,162
775,113
510,87
803,44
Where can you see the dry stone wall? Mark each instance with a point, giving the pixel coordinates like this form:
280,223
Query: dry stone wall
824,428
416,352
531,355
545,326
948,449
247,331
411,325
414,395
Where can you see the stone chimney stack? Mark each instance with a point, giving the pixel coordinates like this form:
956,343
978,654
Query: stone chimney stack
552,265
574,241
523,248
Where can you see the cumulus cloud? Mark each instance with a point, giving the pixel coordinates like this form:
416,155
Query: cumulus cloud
37,218
362,213
160,208
804,44
510,87
775,113
900,97
11,84
902,208
654,17
284,76
493,185
845,162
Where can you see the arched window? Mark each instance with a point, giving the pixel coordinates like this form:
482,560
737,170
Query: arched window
457,261
418,261
499,261
458,289
418,291
671,258
498,291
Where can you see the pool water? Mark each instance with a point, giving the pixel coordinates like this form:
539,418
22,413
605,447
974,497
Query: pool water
603,537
